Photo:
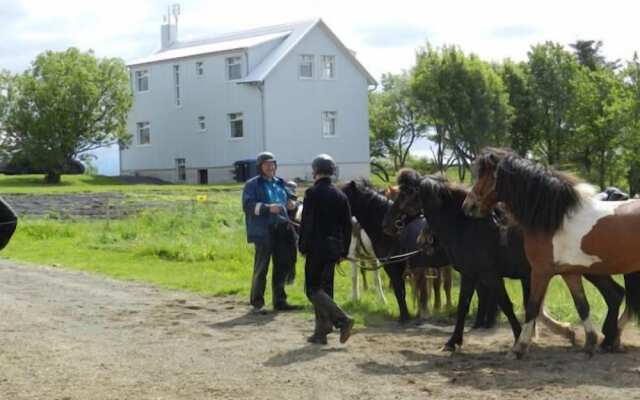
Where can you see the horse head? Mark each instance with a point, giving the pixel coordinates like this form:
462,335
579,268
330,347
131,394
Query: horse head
483,196
406,204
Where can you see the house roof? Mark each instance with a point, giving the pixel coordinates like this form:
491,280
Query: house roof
290,34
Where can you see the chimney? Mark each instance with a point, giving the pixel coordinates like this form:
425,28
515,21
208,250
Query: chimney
169,30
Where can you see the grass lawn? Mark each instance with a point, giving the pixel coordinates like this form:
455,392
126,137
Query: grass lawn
189,245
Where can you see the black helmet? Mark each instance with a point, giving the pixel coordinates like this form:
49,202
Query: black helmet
262,157
323,164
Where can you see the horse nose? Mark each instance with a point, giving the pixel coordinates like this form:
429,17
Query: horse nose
469,207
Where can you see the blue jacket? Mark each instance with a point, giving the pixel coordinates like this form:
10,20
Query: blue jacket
256,210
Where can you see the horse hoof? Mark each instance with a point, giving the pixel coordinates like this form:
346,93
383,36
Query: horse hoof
448,348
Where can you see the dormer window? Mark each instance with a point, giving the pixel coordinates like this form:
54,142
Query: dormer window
306,66
234,68
142,80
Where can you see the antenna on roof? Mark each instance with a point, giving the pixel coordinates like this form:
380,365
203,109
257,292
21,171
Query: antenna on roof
175,10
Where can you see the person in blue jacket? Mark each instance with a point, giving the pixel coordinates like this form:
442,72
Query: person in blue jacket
265,201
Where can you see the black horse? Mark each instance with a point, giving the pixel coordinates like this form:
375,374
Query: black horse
479,250
369,207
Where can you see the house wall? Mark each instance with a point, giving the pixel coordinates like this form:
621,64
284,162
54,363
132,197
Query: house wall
294,106
174,129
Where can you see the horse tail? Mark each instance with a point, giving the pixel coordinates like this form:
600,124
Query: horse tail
632,296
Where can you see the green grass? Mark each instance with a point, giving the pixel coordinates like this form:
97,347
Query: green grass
192,246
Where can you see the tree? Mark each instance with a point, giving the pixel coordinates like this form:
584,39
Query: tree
551,80
522,134
66,103
463,99
588,54
631,135
394,124
600,115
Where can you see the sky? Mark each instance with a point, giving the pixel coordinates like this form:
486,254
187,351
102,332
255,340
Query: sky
385,35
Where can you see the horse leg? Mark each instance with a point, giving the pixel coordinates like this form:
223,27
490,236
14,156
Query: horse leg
539,282
422,286
365,284
487,307
574,283
496,285
437,283
446,274
555,326
467,286
377,281
395,276
632,303
355,289
613,295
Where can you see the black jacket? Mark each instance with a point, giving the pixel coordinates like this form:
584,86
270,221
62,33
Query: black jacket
325,229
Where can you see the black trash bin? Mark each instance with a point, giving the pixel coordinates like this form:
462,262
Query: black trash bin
8,223
244,170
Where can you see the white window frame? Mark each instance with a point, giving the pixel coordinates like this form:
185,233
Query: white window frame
202,123
329,124
181,169
230,62
199,69
140,75
176,85
306,61
325,61
140,126
232,118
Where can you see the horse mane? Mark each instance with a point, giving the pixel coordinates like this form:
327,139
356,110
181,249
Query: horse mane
539,197
444,190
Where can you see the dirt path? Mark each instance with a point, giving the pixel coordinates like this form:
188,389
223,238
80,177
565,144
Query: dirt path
68,335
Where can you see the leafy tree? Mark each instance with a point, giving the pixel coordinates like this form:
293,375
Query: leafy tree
66,103
463,99
600,116
588,54
551,80
522,134
631,136
394,124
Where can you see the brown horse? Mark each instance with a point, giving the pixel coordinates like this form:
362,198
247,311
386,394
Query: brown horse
567,232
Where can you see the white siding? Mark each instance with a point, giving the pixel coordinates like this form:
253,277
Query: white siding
174,130
294,107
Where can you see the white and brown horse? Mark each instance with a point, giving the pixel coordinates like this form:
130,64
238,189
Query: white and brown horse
567,232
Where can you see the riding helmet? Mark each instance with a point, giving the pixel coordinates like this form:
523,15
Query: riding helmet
323,164
263,157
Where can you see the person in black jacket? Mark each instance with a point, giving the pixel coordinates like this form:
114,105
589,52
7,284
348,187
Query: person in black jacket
325,236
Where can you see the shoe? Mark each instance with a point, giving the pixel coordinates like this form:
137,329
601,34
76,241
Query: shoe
258,311
317,339
345,330
287,307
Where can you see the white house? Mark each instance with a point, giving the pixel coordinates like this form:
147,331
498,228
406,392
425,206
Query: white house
292,89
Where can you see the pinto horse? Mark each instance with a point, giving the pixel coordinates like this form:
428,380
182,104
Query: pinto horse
566,231
476,248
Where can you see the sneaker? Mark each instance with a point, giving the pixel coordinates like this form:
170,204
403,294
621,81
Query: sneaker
345,330
287,307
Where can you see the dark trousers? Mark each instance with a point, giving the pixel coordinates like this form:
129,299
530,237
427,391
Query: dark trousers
280,247
318,282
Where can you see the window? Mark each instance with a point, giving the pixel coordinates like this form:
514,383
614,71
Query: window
199,68
176,81
181,169
234,68
202,125
144,133
328,123
142,80
235,125
328,67
306,66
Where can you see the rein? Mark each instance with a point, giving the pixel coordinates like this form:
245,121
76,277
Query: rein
394,259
